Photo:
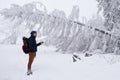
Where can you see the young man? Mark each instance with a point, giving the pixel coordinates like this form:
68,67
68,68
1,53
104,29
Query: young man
33,49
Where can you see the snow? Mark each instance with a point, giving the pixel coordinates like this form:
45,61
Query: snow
51,65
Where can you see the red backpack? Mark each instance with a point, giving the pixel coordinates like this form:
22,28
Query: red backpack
25,46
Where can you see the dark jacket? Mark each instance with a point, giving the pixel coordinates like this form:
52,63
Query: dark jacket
32,44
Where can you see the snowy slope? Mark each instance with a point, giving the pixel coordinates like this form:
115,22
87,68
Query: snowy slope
50,65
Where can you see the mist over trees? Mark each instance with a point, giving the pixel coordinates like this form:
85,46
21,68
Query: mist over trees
68,34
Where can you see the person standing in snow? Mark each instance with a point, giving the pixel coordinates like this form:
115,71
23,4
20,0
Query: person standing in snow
33,49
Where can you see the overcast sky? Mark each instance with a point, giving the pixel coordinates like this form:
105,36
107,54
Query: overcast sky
87,7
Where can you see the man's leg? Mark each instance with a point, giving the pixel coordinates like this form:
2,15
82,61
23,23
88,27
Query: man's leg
31,59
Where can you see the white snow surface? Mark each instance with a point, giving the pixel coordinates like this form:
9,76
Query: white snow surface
51,65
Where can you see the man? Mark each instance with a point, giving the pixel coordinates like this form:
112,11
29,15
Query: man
33,49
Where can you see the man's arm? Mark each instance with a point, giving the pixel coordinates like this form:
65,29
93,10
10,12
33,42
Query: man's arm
40,43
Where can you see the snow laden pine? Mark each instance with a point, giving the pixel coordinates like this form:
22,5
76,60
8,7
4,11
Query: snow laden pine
111,13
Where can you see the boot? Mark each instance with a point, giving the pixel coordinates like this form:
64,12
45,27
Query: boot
29,72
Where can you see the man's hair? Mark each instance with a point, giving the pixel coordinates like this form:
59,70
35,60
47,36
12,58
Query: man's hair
33,32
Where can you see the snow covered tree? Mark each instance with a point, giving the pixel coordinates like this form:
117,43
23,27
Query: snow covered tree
29,14
111,13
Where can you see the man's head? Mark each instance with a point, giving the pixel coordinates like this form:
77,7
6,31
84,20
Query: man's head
34,33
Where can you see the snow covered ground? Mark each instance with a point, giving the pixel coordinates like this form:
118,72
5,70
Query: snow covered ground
50,65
